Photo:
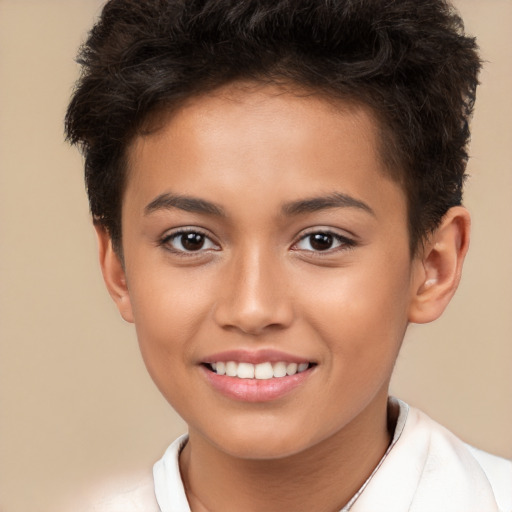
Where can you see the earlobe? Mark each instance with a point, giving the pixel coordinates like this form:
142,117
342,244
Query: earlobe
439,267
113,273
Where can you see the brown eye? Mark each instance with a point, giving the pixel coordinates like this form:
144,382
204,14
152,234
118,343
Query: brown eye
189,241
321,241
192,241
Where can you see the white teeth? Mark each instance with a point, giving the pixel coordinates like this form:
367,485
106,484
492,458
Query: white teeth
291,368
220,368
245,371
231,369
302,367
279,369
261,371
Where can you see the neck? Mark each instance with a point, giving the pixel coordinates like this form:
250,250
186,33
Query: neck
323,477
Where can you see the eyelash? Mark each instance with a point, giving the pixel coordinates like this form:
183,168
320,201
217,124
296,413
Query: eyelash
167,240
344,243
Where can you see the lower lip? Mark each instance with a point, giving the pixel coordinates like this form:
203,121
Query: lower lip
256,390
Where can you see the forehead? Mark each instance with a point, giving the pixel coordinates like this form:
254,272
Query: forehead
244,107
244,136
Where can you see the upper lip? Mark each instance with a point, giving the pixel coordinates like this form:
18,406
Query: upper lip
255,357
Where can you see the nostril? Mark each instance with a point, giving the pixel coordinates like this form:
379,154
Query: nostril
254,321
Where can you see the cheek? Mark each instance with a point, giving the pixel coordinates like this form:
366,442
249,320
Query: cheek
360,311
169,307
165,297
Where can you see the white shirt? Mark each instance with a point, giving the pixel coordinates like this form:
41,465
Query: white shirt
425,469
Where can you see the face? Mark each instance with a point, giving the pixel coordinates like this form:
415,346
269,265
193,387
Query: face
263,238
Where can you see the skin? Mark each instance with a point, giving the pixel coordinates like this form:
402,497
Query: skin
258,283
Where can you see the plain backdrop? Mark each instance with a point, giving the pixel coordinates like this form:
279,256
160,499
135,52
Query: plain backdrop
76,404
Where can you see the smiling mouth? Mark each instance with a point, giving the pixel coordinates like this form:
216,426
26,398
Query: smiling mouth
260,371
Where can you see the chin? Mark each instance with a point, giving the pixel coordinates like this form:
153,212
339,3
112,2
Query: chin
262,441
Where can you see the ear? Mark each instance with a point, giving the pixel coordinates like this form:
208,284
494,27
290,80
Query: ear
438,268
113,273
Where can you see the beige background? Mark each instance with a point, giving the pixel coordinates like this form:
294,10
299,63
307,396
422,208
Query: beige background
76,403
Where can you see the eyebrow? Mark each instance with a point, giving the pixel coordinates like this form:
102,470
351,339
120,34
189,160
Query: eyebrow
335,200
168,201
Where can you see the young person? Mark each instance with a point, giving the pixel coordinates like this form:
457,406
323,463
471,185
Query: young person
276,187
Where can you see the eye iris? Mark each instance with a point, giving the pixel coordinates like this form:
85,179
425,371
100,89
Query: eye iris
321,241
192,241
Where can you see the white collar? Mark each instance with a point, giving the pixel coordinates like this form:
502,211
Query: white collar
426,468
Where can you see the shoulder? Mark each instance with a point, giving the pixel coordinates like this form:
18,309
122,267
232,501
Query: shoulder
154,491
428,468
476,464
133,493
499,473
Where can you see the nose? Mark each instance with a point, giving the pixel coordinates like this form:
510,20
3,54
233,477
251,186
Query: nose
253,297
